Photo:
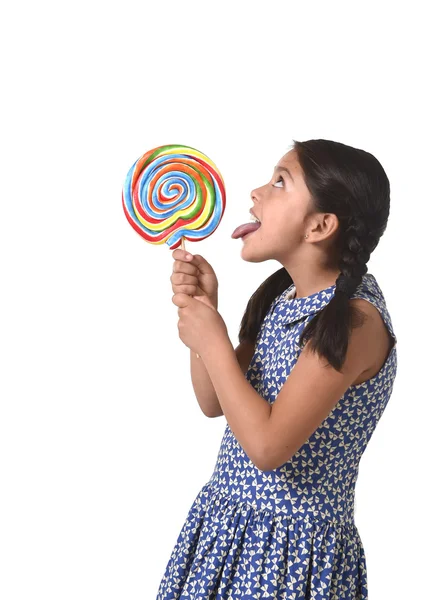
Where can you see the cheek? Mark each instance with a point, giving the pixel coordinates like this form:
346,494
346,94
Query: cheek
284,219
285,225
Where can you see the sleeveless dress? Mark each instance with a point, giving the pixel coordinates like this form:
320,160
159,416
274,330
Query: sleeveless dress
288,533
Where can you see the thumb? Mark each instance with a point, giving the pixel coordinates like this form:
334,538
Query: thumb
202,264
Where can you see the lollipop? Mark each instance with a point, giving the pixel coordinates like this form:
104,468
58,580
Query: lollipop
173,193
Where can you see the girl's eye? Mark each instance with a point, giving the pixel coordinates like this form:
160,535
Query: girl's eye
280,179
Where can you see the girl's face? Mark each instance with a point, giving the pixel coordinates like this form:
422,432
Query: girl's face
284,207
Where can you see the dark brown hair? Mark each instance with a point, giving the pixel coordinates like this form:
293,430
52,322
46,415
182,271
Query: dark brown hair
351,184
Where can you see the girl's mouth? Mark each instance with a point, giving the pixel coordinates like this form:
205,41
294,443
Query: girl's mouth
243,230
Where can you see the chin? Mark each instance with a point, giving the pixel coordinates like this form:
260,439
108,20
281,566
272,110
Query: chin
251,255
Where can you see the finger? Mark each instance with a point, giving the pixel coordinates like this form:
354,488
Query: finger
202,264
189,290
183,279
182,267
179,254
180,299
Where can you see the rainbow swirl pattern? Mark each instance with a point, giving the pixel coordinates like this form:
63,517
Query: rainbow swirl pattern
173,192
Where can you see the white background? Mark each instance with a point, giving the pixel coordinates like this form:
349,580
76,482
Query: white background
103,446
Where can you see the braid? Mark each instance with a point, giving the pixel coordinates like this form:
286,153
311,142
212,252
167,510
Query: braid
357,243
329,329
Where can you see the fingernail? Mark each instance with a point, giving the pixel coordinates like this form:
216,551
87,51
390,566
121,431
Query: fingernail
188,256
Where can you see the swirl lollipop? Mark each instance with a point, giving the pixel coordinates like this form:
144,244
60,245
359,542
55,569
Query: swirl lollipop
172,193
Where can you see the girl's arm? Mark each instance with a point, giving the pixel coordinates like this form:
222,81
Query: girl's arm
271,434
202,384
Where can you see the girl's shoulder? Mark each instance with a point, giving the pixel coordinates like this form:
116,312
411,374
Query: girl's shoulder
370,290
286,309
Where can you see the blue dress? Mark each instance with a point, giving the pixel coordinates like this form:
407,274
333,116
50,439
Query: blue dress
288,533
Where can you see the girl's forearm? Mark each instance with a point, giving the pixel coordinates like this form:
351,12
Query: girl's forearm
247,412
203,388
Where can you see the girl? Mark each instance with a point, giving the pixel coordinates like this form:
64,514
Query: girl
302,393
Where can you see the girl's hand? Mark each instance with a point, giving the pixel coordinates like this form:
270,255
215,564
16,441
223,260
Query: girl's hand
194,277
200,325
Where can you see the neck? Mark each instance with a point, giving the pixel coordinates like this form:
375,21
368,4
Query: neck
309,281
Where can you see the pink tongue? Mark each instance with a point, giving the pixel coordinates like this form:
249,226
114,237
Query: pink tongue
244,229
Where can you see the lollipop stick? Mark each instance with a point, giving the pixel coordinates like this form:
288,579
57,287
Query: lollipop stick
183,248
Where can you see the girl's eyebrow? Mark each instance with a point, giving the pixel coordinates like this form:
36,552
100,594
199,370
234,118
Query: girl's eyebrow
280,168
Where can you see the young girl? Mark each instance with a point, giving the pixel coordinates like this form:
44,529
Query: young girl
302,393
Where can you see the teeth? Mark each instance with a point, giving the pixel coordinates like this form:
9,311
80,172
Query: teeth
254,218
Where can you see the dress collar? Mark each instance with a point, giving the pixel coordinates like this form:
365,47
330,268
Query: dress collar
289,309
